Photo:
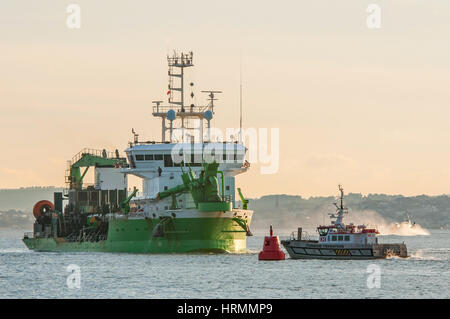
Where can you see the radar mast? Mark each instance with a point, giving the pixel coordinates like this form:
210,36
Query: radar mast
189,120
340,210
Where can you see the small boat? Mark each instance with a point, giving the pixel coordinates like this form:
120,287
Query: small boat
341,241
407,222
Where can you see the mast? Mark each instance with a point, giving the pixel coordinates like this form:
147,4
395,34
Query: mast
190,119
240,101
340,210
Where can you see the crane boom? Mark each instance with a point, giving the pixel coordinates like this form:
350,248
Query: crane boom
89,158
125,205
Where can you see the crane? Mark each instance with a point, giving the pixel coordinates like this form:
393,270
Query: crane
87,158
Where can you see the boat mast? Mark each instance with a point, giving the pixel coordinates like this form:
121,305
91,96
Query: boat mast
240,101
180,61
177,113
340,210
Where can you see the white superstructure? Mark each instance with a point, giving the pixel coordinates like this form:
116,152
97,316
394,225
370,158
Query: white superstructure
186,141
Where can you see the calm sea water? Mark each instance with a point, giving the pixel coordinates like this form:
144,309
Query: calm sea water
28,274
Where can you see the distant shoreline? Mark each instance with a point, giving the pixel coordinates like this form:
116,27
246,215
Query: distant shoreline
431,212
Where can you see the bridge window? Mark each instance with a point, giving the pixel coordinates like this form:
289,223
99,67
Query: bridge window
334,238
340,238
149,157
347,238
158,157
229,157
139,157
168,161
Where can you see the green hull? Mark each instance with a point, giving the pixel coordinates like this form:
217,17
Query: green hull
179,235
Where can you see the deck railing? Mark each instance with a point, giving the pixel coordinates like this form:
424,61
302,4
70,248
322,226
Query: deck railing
177,108
91,151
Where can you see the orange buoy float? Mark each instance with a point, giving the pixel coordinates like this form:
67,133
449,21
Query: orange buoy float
271,248
42,207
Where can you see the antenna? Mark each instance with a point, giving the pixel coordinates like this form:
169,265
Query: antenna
135,136
211,98
341,189
178,115
157,103
240,99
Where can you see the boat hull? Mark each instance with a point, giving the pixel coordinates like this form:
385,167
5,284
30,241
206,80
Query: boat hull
303,249
147,236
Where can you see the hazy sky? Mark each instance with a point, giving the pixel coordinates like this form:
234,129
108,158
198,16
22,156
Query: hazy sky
368,108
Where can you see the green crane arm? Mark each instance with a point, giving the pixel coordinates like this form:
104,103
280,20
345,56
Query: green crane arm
172,191
204,189
244,201
92,160
125,205
87,160
84,173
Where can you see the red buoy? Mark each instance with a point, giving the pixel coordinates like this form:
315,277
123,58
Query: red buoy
271,248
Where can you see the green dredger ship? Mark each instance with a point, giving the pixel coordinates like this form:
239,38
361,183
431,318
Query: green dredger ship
188,199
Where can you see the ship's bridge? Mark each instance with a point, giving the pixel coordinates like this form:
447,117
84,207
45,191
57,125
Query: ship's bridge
170,156
160,164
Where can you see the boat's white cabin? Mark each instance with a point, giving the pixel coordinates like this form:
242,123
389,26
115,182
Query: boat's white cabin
160,167
350,235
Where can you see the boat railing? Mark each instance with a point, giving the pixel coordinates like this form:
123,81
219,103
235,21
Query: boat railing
305,236
84,236
95,152
188,110
353,245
